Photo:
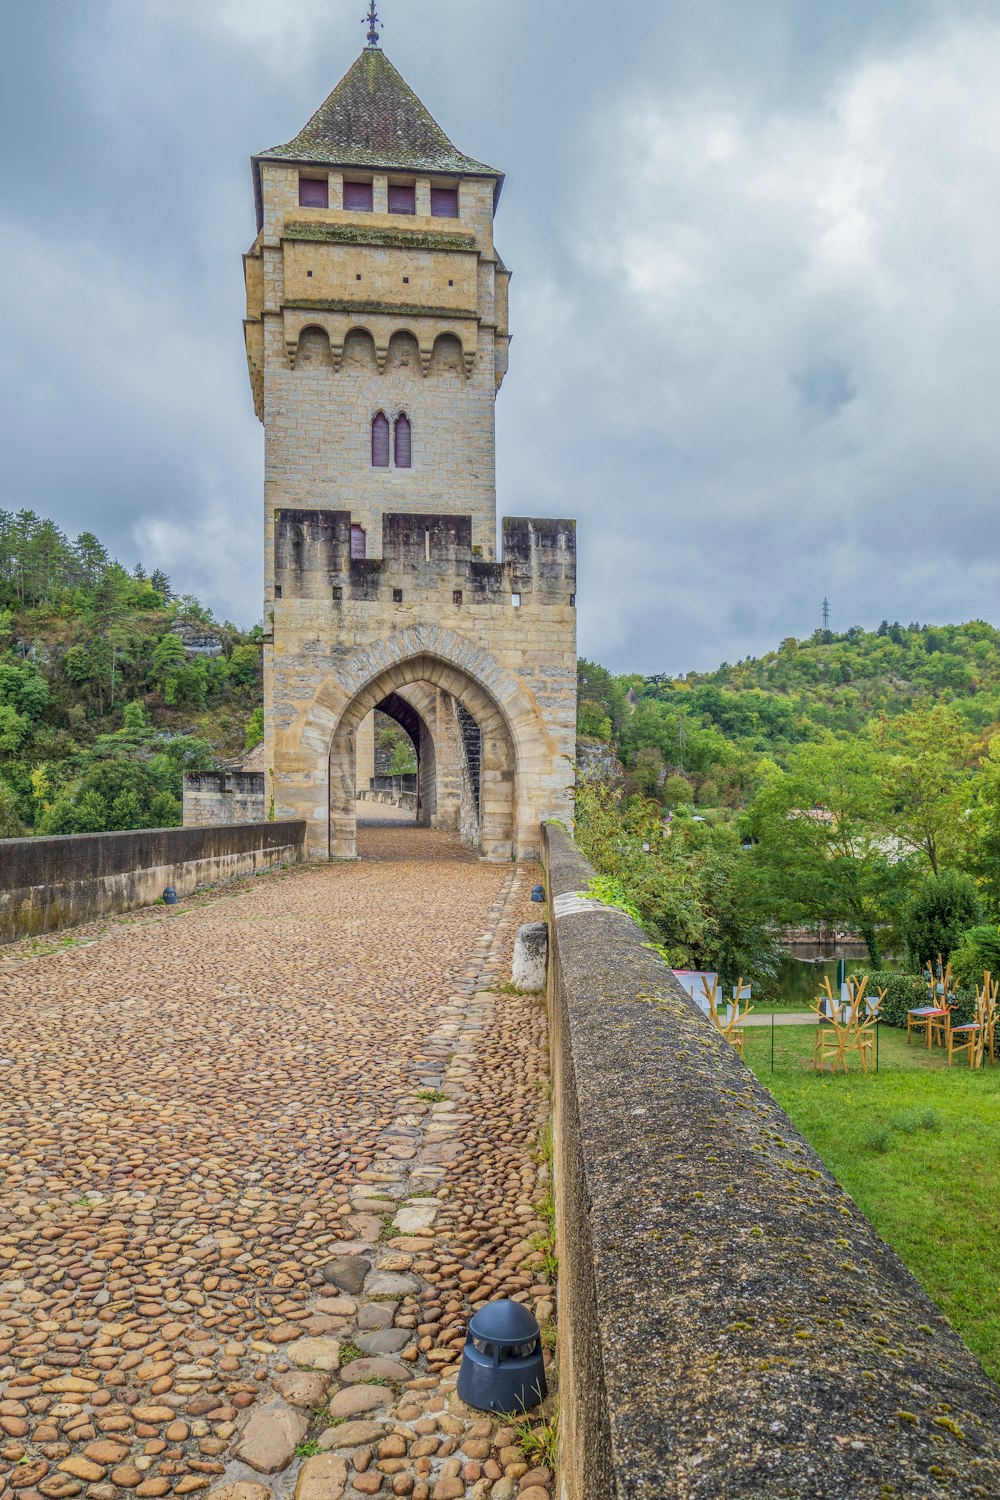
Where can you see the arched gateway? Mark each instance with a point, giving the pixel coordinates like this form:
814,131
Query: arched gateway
383,577
497,803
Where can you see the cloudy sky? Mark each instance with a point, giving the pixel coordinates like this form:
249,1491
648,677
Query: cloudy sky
756,300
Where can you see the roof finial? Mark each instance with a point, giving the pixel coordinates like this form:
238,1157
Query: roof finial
372,21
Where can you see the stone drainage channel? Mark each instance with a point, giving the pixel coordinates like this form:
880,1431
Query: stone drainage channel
370,1408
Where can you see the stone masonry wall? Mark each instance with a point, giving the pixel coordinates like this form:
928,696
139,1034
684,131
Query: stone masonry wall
318,433
729,1321
213,798
339,625
49,883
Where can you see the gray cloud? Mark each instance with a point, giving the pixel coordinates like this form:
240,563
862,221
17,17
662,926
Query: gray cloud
755,304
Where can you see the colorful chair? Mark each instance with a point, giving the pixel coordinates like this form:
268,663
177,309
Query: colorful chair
937,1012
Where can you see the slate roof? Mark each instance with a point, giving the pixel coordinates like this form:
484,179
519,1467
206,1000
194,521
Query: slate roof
374,119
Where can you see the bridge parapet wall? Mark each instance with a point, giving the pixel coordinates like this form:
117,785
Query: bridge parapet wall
48,883
730,1322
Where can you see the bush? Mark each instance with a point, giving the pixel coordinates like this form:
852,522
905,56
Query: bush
939,914
11,826
979,950
677,792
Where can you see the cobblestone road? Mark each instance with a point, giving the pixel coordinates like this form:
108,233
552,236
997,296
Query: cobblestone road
296,1109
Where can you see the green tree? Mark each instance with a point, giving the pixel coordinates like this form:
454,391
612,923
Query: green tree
739,940
605,697
819,844
649,771
255,728
923,773
404,760
984,851
245,665
11,826
169,656
938,915
677,792
978,953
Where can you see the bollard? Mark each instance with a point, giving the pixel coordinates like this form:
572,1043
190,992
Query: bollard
531,956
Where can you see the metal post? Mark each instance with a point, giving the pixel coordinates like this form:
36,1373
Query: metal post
772,1041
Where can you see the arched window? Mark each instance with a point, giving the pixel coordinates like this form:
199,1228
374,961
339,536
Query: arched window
380,441
402,441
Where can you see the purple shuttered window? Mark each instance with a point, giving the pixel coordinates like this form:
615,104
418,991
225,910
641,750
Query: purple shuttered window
402,200
444,203
314,192
358,196
380,441
403,446
359,542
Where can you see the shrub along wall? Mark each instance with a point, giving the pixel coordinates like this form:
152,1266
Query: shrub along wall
58,882
730,1323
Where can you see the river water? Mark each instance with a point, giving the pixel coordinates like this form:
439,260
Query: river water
804,966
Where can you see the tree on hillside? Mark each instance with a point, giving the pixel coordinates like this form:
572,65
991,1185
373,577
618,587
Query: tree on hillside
600,697
923,771
820,845
984,852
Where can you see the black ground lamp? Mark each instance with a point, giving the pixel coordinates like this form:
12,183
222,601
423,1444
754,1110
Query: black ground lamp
538,893
169,896
502,1366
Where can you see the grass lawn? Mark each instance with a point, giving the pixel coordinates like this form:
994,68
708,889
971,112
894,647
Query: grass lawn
919,1152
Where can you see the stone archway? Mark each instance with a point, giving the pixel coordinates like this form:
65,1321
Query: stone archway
498,765
525,751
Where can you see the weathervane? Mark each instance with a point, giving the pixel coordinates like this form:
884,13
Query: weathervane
372,21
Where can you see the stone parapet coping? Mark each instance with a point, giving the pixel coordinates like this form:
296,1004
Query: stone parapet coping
730,1322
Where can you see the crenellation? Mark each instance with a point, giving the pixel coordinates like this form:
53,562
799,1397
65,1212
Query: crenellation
426,555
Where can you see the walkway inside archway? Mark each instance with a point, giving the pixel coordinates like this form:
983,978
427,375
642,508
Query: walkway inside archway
384,815
443,738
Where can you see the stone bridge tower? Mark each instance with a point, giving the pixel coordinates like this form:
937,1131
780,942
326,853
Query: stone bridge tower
376,337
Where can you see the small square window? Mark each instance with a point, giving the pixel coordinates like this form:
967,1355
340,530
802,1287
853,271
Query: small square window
451,283
515,599
406,280
314,192
397,596
277,590
444,203
358,276
358,197
456,597
338,593
308,273
402,200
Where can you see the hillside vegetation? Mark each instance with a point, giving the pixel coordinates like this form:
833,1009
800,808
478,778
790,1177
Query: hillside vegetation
110,686
851,780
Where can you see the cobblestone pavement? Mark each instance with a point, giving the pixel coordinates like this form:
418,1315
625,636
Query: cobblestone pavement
377,814
264,1152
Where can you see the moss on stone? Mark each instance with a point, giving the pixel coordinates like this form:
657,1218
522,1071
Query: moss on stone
393,309
356,234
